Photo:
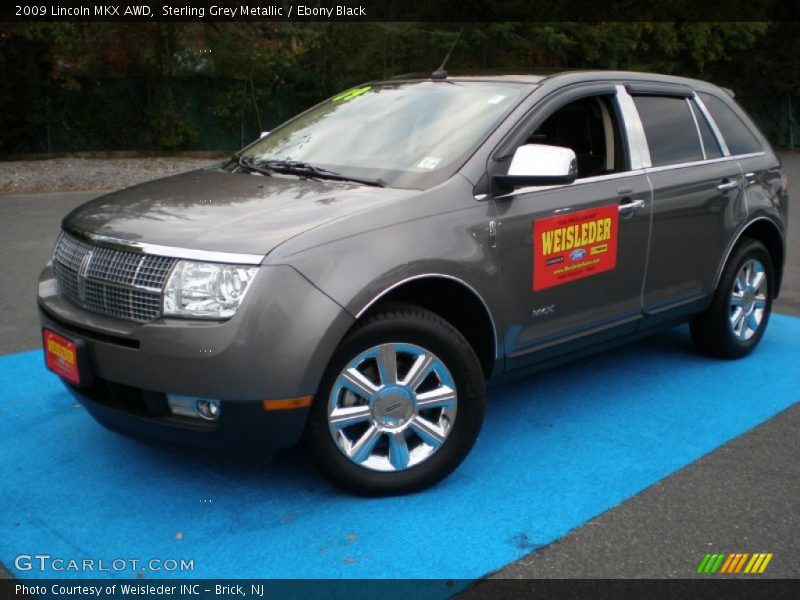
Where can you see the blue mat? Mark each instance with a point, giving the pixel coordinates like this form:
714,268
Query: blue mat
556,450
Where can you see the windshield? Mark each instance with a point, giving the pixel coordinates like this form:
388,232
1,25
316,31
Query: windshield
405,134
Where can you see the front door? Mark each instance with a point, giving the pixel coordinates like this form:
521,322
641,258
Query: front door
573,257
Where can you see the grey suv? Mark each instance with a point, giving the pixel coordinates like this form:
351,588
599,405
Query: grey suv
358,275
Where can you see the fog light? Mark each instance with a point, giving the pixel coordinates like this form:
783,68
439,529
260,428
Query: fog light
191,406
208,409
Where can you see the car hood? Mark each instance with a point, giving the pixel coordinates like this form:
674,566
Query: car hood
215,210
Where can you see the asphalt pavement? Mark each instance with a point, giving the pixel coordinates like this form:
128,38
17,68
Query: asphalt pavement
743,497
29,225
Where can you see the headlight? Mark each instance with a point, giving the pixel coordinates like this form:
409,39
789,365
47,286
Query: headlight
209,290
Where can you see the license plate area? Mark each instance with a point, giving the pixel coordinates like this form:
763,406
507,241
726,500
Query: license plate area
66,357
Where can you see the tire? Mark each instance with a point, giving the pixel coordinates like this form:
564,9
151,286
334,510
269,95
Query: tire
414,340
721,331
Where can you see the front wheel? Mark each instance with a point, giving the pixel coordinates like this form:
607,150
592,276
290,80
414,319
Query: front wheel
400,406
737,318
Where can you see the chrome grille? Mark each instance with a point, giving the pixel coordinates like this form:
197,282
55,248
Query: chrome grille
117,283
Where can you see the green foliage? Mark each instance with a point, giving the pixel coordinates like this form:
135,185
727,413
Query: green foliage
197,85
169,123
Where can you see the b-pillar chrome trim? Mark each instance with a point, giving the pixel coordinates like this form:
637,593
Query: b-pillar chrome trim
637,142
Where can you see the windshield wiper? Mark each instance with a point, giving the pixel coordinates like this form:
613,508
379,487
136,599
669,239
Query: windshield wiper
249,166
309,170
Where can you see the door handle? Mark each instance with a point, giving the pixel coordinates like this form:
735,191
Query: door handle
631,206
727,185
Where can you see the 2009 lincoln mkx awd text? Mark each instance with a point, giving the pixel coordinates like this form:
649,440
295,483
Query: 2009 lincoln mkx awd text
357,275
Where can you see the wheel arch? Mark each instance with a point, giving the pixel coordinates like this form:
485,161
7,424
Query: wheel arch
455,301
766,231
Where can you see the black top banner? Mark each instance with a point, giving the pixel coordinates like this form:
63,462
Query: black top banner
400,10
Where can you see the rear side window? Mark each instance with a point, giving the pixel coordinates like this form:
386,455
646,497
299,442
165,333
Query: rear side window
710,143
669,129
737,135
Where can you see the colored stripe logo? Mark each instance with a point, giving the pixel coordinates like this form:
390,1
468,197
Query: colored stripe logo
734,562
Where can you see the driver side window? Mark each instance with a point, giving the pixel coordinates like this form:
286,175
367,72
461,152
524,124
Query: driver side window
590,127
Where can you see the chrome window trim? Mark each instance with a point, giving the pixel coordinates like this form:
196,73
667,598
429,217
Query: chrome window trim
710,120
595,179
709,161
645,171
397,284
168,251
637,141
696,128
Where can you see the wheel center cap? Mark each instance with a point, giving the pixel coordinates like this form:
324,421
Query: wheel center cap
393,407
749,299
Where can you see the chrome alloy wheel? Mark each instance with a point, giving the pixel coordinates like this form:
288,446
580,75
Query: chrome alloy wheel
748,300
392,407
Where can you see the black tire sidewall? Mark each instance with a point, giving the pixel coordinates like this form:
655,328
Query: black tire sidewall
730,345
424,329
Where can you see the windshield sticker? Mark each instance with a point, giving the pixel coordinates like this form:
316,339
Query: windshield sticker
495,99
570,247
350,94
429,162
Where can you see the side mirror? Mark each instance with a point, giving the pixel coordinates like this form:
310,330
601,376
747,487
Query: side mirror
538,164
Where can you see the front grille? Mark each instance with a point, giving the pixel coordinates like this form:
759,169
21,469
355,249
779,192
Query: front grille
117,283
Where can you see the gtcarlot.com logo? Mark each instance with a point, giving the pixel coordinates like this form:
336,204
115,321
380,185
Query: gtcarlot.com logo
732,563
47,562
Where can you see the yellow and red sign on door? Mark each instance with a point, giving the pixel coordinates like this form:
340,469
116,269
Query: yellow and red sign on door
574,245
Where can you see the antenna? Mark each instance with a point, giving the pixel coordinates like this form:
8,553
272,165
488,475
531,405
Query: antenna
440,73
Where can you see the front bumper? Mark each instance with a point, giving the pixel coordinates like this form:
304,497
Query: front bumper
145,415
276,347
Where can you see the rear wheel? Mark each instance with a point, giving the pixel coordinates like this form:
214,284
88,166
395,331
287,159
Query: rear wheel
737,318
400,406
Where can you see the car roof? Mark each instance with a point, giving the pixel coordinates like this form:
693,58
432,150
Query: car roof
484,76
565,78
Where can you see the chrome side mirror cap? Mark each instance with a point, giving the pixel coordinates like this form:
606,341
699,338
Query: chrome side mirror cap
539,164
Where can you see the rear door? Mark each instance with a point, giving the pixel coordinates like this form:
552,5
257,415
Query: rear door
698,196
760,167
572,257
